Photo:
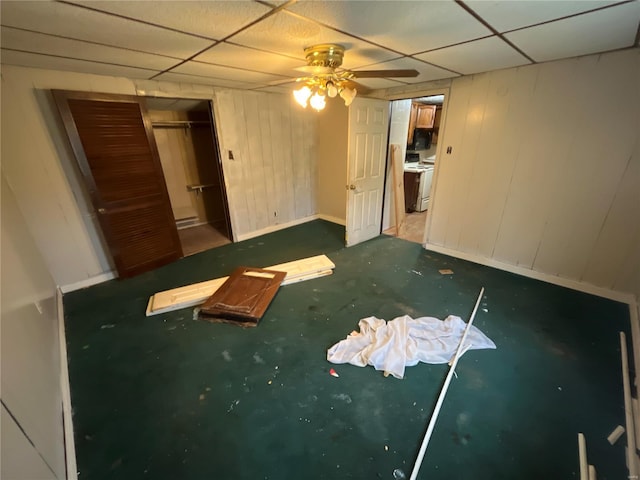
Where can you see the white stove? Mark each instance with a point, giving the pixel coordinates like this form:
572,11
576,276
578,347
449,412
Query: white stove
426,177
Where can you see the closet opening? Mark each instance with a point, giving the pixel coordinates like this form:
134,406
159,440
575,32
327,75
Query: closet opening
185,136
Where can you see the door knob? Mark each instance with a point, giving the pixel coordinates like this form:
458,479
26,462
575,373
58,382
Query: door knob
102,211
351,187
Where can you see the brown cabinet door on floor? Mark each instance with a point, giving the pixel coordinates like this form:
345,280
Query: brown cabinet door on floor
113,142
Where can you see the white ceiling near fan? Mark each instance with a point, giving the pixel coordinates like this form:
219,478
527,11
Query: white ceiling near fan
254,44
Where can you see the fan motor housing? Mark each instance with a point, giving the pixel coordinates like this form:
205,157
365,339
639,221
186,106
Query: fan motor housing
324,55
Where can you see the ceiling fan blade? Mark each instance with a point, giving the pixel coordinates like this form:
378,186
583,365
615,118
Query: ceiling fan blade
384,73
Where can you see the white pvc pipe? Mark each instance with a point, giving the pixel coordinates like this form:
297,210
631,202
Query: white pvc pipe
628,409
582,455
443,393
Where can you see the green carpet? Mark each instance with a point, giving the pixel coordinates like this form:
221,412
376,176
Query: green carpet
167,397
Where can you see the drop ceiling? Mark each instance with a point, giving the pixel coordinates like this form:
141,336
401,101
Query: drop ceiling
258,45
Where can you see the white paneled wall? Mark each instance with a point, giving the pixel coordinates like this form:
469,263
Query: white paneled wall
271,179
398,131
333,153
544,174
273,172
32,443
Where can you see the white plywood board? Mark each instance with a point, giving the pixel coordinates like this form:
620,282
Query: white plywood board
83,24
197,293
212,19
580,35
473,57
420,26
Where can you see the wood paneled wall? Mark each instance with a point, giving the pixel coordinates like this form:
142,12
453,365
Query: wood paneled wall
274,170
545,170
271,179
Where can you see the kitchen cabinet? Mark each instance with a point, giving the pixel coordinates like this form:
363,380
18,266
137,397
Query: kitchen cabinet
412,122
421,116
425,116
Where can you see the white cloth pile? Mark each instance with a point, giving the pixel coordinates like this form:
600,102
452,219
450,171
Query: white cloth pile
405,341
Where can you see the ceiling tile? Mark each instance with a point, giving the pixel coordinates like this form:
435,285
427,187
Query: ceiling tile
80,23
199,80
407,27
375,83
289,35
42,43
216,71
510,15
599,31
211,19
427,72
477,56
11,57
243,57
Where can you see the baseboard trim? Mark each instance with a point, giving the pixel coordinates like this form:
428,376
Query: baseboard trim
332,219
88,282
627,298
67,417
275,228
634,319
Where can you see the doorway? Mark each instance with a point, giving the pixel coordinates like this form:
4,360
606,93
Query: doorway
184,133
418,128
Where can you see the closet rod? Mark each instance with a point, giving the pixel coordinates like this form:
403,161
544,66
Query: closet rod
181,124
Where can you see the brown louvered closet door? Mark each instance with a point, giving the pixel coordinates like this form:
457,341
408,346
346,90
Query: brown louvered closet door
113,143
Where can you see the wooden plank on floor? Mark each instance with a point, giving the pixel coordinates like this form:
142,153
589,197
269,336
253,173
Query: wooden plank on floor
197,293
397,167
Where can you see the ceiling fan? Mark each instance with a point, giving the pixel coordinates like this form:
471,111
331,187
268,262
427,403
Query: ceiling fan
326,78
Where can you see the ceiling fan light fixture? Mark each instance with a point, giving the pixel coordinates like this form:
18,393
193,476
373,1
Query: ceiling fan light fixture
317,101
348,94
332,90
302,95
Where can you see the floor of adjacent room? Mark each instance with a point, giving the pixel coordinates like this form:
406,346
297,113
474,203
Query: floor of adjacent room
170,397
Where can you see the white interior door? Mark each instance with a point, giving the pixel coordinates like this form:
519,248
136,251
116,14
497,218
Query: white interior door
368,129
